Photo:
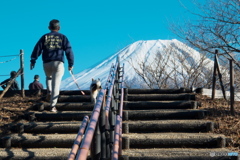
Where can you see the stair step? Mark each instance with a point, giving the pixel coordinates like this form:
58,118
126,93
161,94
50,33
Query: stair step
163,114
132,154
141,105
44,92
74,92
44,127
68,106
168,126
35,153
160,97
158,91
180,154
40,140
74,98
128,126
174,140
127,115
134,140
58,116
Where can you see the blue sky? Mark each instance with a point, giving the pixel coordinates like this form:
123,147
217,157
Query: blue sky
96,29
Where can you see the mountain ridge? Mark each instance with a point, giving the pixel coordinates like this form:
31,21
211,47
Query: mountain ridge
137,52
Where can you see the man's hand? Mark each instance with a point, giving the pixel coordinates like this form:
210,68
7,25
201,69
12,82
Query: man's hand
32,66
70,68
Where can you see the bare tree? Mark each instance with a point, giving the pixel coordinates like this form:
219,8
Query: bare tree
173,66
192,68
217,27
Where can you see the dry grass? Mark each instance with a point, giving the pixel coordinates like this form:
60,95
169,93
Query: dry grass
12,108
219,112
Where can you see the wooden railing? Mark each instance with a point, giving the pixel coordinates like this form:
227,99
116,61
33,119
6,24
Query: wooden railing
102,138
19,72
78,139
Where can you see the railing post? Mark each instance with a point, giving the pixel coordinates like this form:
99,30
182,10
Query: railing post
22,73
103,130
214,75
96,144
112,120
232,87
220,78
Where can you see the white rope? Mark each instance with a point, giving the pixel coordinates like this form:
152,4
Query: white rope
9,60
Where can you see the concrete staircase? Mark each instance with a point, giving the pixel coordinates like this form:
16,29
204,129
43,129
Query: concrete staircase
157,125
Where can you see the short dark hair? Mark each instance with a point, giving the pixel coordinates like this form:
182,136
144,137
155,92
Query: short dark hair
36,76
13,73
54,24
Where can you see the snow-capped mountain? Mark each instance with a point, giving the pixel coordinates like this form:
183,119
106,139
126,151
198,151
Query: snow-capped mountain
136,54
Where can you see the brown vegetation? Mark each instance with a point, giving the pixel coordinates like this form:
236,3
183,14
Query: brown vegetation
12,109
219,112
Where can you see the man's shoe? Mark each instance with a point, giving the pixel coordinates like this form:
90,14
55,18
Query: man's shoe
53,109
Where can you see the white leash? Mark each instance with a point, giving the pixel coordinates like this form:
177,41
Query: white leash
74,79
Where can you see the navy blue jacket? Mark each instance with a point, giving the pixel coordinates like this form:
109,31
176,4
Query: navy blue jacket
52,47
36,85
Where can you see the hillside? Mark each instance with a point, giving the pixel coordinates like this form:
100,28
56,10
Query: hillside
12,108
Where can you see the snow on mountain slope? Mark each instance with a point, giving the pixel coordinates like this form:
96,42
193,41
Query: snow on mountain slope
131,55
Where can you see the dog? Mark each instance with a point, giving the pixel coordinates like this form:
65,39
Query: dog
94,89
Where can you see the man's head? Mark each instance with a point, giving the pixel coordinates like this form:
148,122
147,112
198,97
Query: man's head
36,77
54,25
13,73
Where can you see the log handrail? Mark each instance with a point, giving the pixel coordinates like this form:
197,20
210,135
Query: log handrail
106,105
117,146
86,142
78,139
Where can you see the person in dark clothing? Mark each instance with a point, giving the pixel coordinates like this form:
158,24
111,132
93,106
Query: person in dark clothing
14,85
35,85
52,47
